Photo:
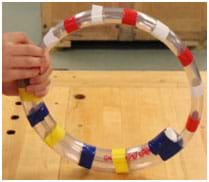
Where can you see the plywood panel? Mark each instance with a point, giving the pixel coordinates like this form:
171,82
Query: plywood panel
187,20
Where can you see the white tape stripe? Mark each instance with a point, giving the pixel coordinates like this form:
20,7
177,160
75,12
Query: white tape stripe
197,91
50,38
171,134
96,14
160,31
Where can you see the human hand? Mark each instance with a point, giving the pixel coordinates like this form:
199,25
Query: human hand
24,60
39,85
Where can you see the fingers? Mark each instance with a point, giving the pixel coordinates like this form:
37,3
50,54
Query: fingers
25,50
39,90
18,67
25,62
46,62
29,62
21,59
38,87
16,38
19,74
40,78
39,84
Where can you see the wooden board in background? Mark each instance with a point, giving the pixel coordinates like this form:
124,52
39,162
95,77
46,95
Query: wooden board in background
187,20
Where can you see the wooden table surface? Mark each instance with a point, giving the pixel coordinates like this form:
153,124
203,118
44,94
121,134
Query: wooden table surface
120,109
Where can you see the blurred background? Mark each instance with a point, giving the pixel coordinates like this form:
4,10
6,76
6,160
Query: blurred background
112,47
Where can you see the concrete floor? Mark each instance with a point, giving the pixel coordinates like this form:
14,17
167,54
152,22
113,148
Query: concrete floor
121,59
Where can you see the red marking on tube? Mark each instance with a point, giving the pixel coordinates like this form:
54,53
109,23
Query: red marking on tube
133,155
144,151
129,17
186,57
70,24
107,158
192,124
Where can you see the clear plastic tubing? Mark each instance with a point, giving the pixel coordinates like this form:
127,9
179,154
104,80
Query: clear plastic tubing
120,160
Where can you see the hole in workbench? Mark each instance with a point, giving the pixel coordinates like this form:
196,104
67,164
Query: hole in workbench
79,96
11,132
14,117
18,103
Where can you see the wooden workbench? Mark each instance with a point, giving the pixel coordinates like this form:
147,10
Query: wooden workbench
114,109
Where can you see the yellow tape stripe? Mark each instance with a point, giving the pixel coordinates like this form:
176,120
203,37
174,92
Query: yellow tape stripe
119,160
25,96
55,136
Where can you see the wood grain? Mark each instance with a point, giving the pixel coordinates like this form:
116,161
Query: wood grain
119,109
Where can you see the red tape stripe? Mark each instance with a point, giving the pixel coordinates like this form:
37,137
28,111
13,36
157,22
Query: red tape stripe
70,24
129,17
186,57
192,124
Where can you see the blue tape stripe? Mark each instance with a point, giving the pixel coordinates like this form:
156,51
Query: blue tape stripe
87,156
165,147
37,114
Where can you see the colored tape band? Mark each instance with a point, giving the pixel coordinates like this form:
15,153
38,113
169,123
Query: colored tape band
197,91
37,114
55,136
166,144
50,39
87,156
70,24
96,14
27,97
185,57
192,124
129,17
119,160
160,31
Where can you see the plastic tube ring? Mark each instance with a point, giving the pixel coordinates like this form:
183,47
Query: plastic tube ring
160,148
